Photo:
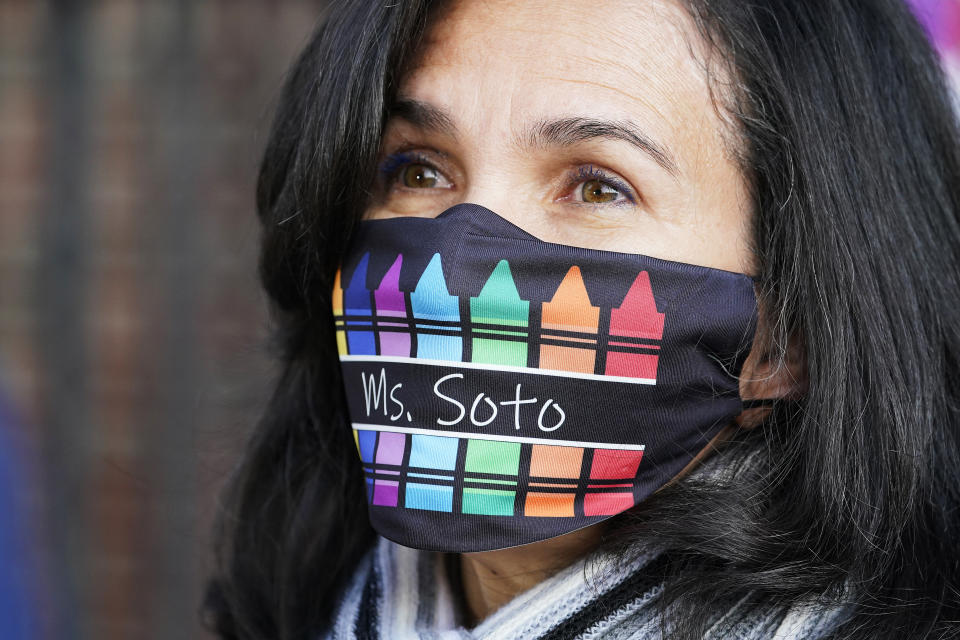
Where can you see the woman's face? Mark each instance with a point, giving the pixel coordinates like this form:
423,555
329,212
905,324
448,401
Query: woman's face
583,123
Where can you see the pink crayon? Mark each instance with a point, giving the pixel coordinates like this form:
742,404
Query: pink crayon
637,323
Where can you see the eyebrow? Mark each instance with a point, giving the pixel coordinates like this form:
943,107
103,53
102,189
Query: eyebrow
559,132
424,115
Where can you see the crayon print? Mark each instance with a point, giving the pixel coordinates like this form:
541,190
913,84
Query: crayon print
500,319
570,310
549,505
637,317
394,336
356,299
437,314
338,314
429,496
605,504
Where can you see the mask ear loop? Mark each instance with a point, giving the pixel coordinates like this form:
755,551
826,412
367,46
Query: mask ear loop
754,403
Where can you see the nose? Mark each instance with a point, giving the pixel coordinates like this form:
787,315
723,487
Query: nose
512,201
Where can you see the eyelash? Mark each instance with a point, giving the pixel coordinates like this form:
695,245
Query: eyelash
394,162
584,173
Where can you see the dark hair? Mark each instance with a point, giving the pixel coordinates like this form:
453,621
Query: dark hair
851,149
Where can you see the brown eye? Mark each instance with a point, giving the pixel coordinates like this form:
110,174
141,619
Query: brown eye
597,191
418,176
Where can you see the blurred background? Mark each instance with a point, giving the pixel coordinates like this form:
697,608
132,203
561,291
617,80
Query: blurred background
132,326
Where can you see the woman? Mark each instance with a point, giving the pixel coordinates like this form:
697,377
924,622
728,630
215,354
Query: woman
803,153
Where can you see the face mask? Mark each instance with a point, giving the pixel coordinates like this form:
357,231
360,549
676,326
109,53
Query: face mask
504,390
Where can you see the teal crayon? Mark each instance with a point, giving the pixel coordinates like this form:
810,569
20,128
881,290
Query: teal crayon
500,320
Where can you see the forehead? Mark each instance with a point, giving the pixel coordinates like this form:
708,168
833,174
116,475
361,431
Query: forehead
496,64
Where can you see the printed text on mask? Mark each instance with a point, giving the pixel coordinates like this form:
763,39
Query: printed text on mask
380,395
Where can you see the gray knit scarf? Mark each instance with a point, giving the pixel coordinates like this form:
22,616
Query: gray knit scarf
399,593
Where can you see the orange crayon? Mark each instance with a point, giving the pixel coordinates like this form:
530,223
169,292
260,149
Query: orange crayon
569,325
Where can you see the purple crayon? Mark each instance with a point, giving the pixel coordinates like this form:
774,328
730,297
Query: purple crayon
394,336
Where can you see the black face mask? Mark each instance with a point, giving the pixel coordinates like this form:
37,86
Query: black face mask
505,390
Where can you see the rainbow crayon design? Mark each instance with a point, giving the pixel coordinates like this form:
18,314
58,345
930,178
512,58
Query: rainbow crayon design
500,320
359,312
633,325
338,314
560,480
569,311
394,336
437,314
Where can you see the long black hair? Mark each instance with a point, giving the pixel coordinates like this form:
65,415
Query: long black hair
846,136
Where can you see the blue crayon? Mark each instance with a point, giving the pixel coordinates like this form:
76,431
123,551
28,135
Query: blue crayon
359,311
438,313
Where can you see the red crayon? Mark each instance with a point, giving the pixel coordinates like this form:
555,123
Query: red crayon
634,327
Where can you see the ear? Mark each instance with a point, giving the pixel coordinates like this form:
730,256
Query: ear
770,372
